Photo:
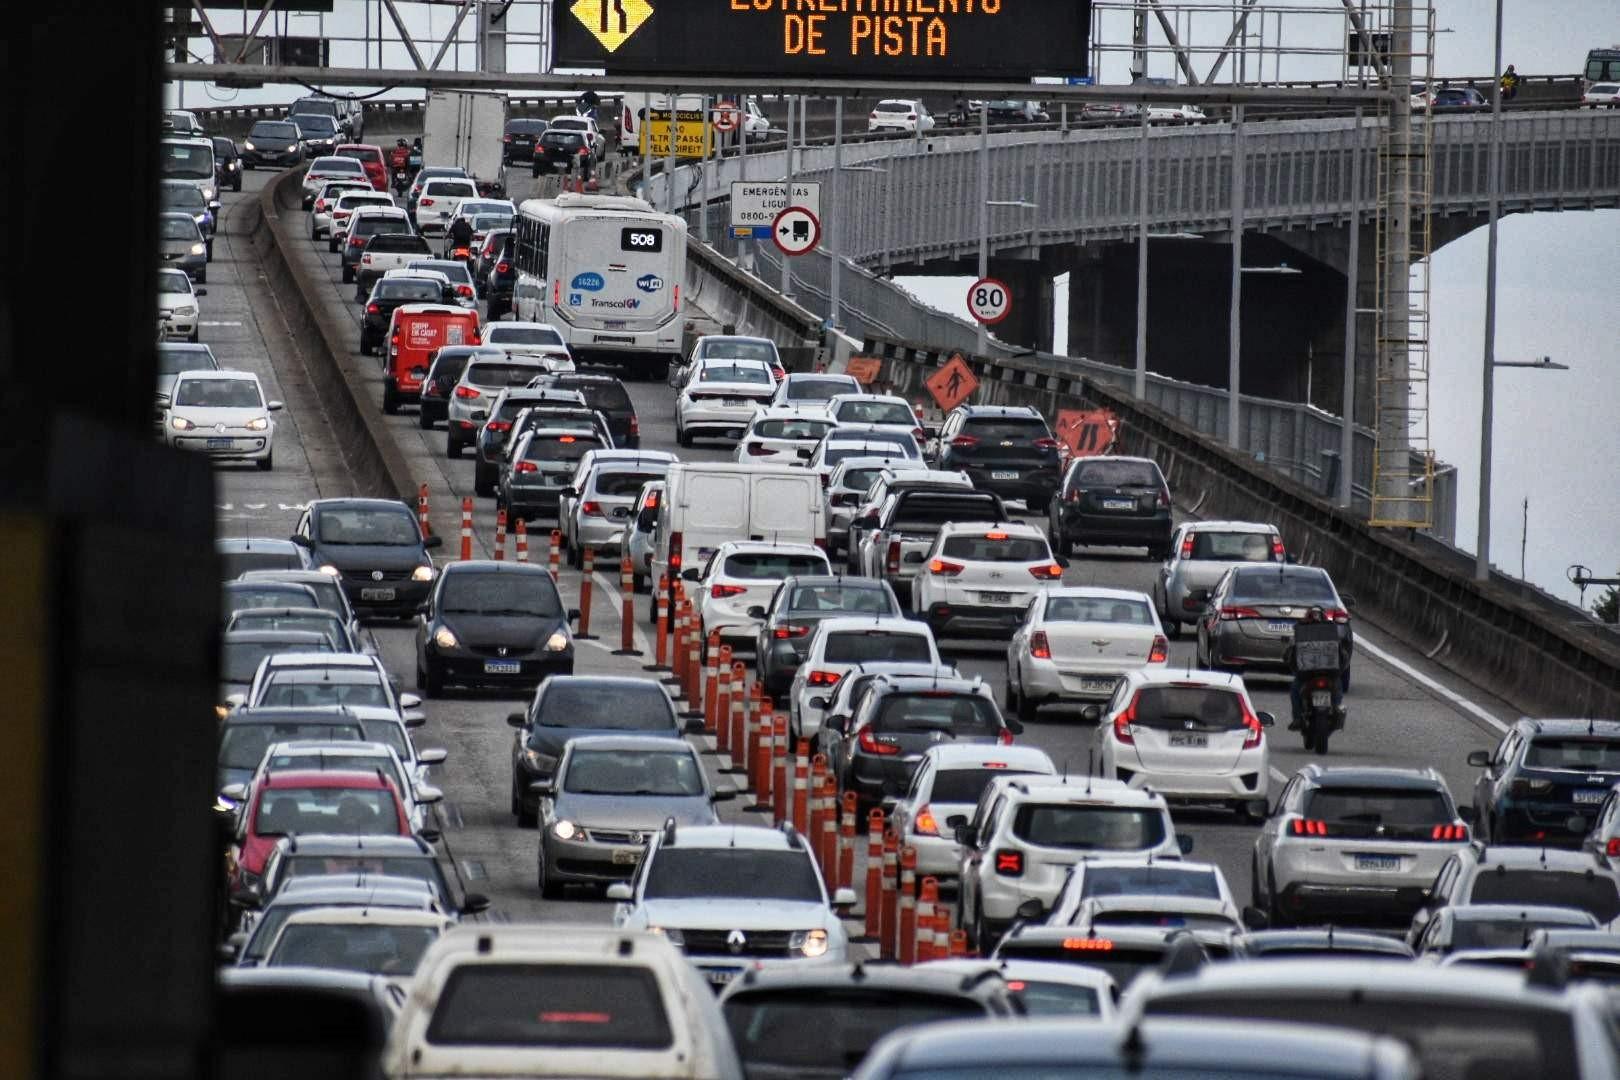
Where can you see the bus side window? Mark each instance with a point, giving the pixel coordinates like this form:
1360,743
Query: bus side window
545,249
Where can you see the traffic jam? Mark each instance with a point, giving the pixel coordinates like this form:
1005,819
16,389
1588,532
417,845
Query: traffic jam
758,720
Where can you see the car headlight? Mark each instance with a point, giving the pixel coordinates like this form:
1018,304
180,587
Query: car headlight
445,638
557,642
811,943
180,423
199,249
222,711
248,146
675,937
231,166
258,423
328,568
564,830
422,573
186,310
209,192
539,762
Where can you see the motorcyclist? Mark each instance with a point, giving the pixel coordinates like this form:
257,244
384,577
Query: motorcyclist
1510,84
460,234
1315,640
400,156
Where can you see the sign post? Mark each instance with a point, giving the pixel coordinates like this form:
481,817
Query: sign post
989,300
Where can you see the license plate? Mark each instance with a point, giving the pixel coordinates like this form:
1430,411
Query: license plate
1004,475
502,667
720,976
376,594
626,856
1378,862
1280,626
219,444
1181,738
1321,699
996,597
1591,796
1099,685
1119,504
734,401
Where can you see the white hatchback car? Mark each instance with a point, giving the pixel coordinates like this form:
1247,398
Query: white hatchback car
813,389
1191,735
883,411
320,211
1093,878
980,577
838,646
1074,644
222,414
538,341
742,574
599,500
900,114
946,787
438,202
776,435
178,311
720,398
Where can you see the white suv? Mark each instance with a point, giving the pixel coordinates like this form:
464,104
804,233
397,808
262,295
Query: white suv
946,787
777,434
979,578
743,574
1093,878
1027,831
735,896
838,646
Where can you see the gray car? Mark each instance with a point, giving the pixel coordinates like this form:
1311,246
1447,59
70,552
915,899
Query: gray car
1201,552
181,244
608,796
1247,621
247,947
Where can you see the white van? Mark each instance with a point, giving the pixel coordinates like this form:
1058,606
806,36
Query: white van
565,1001
706,504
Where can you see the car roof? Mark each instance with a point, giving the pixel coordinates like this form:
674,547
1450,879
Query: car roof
1093,592
744,547
1203,905
902,682
950,756
859,624
1571,726
323,778
1011,528
289,714
1122,937
836,977
1160,675
1554,859
384,915
1029,970
1230,526
223,374
434,309
383,887
999,410
1350,776
750,837
1081,789
256,543
493,566
283,577
1523,912
272,637
356,503
1348,978
346,747
319,844
324,660
650,743
1327,938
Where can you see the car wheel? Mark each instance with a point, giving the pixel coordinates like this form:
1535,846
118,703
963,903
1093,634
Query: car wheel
638,582
348,275
202,277
1274,914
1344,681
1256,899
238,185
549,890
390,399
1323,733
483,483
981,942
193,337
452,446
267,462
1026,708
1172,627
576,557
208,249
1038,505
332,244
526,818
1012,696
434,683
682,437
424,420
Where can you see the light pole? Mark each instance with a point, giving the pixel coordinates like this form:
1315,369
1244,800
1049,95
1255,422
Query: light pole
982,340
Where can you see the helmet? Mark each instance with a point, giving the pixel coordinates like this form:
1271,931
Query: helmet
400,141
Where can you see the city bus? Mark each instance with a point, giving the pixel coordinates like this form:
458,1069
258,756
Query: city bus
606,271
1602,65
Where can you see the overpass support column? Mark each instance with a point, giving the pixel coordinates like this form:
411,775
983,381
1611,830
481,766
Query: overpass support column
1029,323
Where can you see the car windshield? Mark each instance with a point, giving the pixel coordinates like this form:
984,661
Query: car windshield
988,429
966,785
623,485
422,868
859,646
811,599
409,289
740,350
179,228
273,131
613,1006
493,376
1576,754
239,660
174,284
364,526
236,563
242,745
463,188
524,335
1163,919
817,389
1187,708
533,595
391,733
1055,999
1271,587
1122,963
996,547
859,479
334,761
1453,1038
1378,806
1117,474
1089,826
826,1028
181,197
608,395
937,711
219,394
373,948
732,874
895,106
1507,932
260,596
633,772
791,428
876,412
328,687
560,447
772,566
641,706
348,811
1583,889
1154,879
1232,546
485,222
1099,609
734,373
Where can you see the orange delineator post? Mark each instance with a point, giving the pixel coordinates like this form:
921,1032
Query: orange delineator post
500,535
522,531
722,701
874,871
694,659
752,707
760,778
711,683
906,946
927,898
466,529
829,829
422,512
678,648
817,812
959,943
846,839
661,645
734,720
627,608
942,931
587,569
888,897
801,786
554,556
781,771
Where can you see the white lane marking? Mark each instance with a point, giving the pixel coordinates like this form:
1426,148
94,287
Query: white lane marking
219,324
616,598
1450,696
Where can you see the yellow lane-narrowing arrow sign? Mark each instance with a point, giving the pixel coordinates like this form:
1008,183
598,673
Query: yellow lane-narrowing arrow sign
611,22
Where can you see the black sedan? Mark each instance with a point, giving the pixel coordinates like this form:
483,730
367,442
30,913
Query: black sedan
375,547
273,143
557,149
789,621
493,624
567,708
227,162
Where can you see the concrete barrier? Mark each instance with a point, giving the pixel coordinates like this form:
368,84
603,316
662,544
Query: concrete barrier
749,306
1489,633
370,456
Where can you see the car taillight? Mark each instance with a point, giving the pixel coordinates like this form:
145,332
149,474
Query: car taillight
1251,741
526,467
925,825
783,633
1010,863
677,295
1187,545
1122,723
635,429
911,116
502,267
556,293
1039,647
1160,652
1164,500
873,744
591,508
1233,614
873,116
1308,827
1006,737
1046,444
759,450
464,290
500,425
1048,572
720,592
1088,944
373,309
1612,848
965,440
1277,551
466,393
366,259
941,568
822,678
1449,832
427,202
506,138
674,551
892,562
1338,615
356,241
320,205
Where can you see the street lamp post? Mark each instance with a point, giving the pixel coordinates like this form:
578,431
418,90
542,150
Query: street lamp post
982,339
1482,542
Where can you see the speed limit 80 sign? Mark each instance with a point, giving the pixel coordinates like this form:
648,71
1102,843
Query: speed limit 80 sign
989,300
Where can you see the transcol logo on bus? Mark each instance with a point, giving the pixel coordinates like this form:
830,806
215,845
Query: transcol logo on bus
649,283
629,303
589,281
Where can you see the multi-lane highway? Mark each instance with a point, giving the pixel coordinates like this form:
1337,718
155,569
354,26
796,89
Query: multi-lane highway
1402,710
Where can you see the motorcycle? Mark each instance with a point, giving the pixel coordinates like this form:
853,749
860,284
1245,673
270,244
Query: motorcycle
1319,718
459,252
402,181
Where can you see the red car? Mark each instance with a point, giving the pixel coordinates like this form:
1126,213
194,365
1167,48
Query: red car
370,158
298,801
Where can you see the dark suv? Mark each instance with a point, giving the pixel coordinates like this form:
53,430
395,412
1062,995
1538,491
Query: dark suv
495,434
606,395
1121,501
1543,778
1005,449
386,295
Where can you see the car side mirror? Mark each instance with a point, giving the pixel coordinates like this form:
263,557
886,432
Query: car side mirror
844,897
818,702
1255,919
414,719
275,406
620,891
431,835
691,573
1184,843
199,291
427,796
1292,560
1480,759
409,701
756,612
1469,815
571,492
1577,824
1014,725
839,724
516,719
433,755
433,541
693,726
230,948
1061,561
868,521
1266,719
543,788
424,608
480,414
722,795
236,701
1091,714
237,793
473,903
301,541
802,453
